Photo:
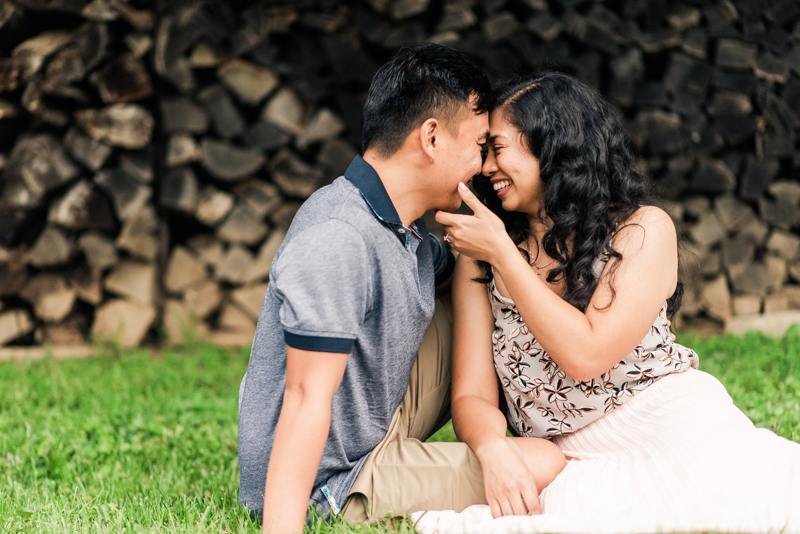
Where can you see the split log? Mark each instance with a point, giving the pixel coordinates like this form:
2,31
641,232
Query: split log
294,177
456,17
183,270
179,191
138,163
324,125
402,9
182,115
713,176
229,162
134,280
168,55
51,297
286,111
716,299
746,305
232,318
30,55
731,212
263,198
181,325
243,225
13,273
228,122
250,299
265,136
87,285
124,125
734,54
123,322
249,82
138,235
69,332
213,205
260,268
51,248
14,324
334,157
37,164
123,80
208,248
83,208
784,244
182,149
203,299
88,151
234,265
99,251
127,194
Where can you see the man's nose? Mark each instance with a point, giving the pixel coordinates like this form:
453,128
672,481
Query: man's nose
489,166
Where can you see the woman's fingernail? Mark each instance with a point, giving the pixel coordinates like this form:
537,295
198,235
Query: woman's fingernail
462,186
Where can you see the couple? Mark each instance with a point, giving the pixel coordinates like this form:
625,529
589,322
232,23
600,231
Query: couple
559,328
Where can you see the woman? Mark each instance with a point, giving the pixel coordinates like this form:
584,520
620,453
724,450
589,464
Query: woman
560,300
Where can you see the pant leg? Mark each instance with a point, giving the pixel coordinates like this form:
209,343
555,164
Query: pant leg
404,474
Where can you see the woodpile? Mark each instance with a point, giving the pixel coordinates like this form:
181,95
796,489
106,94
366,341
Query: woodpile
152,155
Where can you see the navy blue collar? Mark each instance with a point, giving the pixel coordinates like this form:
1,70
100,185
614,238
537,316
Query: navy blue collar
363,176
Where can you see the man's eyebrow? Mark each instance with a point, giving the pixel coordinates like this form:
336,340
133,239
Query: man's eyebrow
484,136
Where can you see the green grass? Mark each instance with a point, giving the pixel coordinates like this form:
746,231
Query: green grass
146,442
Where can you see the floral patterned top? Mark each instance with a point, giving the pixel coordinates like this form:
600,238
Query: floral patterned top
543,401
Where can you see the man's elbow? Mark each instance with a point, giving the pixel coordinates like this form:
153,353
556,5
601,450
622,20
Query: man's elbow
296,397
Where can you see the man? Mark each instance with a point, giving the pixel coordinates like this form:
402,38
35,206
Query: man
335,406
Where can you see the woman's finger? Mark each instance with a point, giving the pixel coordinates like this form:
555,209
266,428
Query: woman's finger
505,507
531,498
494,506
517,504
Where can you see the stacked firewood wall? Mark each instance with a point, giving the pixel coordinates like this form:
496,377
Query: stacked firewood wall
152,154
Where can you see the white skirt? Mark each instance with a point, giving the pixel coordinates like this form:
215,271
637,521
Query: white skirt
677,457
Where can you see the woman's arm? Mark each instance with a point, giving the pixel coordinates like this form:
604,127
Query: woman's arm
584,345
509,484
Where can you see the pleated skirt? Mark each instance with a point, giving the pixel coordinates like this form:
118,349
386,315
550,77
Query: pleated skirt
677,457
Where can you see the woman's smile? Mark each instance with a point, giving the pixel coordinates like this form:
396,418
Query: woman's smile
501,187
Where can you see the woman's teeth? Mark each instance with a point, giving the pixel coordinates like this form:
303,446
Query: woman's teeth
501,185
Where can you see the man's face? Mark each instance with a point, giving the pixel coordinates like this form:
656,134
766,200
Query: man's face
461,159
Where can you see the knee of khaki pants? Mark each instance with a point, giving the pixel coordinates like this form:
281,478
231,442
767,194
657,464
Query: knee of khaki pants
426,404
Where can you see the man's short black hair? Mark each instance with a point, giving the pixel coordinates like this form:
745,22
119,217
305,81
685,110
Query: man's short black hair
418,83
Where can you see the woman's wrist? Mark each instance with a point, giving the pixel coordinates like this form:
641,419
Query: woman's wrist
507,258
490,448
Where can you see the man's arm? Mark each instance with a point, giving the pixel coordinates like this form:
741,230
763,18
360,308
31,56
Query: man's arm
312,378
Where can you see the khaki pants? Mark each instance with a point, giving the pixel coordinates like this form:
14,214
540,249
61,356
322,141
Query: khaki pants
403,474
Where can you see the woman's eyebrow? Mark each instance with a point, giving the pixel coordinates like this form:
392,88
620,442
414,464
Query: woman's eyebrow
494,137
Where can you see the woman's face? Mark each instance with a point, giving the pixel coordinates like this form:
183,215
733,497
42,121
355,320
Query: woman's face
513,170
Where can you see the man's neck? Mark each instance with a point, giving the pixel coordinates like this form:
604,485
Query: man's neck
402,180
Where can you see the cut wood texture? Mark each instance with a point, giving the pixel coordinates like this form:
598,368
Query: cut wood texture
148,149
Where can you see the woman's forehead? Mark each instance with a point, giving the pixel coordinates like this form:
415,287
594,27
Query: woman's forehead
500,128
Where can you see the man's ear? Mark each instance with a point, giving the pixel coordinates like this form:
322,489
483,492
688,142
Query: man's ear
429,133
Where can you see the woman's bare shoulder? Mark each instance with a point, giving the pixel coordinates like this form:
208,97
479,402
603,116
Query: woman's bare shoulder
648,225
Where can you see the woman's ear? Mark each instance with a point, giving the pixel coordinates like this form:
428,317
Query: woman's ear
429,137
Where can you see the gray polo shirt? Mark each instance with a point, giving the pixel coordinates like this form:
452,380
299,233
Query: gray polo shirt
349,278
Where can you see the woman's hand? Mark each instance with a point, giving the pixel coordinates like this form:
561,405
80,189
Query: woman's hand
481,236
507,480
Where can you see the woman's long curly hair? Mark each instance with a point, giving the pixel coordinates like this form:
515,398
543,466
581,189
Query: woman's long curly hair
591,180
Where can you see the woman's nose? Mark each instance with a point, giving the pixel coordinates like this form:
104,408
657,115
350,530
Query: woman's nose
489,165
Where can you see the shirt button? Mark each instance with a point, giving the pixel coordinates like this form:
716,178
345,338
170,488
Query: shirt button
401,230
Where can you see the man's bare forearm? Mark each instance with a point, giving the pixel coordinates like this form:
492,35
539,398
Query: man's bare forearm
300,439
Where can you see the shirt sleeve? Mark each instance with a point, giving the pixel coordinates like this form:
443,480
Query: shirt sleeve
323,277
443,261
